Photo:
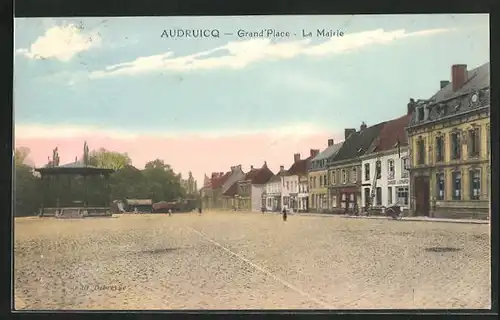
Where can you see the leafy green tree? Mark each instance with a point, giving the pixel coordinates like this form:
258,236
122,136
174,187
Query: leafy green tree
26,195
108,159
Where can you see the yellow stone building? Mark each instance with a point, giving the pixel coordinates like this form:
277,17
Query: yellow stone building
449,139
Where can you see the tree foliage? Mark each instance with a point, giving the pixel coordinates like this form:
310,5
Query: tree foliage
103,158
157,181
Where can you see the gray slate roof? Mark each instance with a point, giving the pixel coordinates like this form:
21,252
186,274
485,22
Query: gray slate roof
277,177
328,152
78,164
446,103
358,143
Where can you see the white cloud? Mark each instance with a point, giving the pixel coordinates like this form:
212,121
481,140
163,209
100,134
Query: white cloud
239,54
62,43
78,131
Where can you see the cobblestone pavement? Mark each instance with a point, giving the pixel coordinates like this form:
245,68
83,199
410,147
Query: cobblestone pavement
249,261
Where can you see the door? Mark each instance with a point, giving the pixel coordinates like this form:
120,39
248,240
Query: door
422,196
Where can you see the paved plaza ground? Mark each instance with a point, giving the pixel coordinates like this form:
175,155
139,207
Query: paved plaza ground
249,261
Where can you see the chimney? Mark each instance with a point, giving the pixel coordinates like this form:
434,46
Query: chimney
348,132
296,157
458,76
411,106
221,174
282,168
314,152
443,83
265,164
251,167
362,126
330,142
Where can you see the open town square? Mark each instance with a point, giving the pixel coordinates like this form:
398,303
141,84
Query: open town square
244,260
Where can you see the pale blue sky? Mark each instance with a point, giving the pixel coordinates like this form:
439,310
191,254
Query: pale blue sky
328,87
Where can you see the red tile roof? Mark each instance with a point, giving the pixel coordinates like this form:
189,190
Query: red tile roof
300,167
232,191
259,176
218,181
392,131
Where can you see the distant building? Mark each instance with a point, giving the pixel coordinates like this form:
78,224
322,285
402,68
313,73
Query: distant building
273,190
189,185
449,139
251,188
345,167
384,168
297,178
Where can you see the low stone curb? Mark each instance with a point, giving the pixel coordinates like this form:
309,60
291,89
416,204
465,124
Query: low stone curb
424,219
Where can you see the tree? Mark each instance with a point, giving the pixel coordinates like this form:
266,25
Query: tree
128,182
20,155
26,195
162,182
103,158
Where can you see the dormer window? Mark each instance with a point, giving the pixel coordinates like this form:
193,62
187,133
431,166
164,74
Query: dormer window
420,114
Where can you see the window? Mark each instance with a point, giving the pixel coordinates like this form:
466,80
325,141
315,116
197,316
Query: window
378,196
389,195
367,197
378,169
334,201
333,178
402,194
475,184
288,185
439,149
313,205
320,181
314,182
354,173
404,165
420,114
390,169
325,180
440,186
457,186
455,146
367,171
310,182
342,203
344,176
420,151
474,143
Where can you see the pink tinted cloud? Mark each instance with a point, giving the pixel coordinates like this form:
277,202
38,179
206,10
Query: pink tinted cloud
184,154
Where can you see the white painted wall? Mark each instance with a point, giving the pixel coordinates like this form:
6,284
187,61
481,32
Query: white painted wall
273,189
290,184
400,180
256,200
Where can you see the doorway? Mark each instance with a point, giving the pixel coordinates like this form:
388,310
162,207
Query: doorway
421,191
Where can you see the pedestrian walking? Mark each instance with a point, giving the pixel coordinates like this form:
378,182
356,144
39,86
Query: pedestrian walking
199,211
170,212
284,214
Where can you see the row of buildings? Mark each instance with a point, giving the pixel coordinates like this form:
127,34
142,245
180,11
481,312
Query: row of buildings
433,160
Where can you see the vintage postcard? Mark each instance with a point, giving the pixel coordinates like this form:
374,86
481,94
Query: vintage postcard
252,162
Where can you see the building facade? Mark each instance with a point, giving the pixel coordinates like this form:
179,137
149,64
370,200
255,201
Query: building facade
298,177
344,168
273,191
189,185
449,137
319,179
251,188
384,168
